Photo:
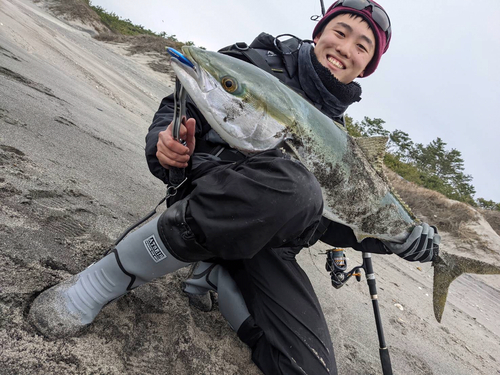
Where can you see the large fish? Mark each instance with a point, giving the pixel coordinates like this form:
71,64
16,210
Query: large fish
253,111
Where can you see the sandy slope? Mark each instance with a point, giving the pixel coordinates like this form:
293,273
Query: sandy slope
73,116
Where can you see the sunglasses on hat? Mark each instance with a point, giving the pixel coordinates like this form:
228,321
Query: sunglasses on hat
378,14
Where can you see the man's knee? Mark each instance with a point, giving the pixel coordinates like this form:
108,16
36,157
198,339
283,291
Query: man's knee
307,195
177,235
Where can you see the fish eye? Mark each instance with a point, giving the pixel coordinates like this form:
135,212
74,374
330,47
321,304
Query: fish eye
229,84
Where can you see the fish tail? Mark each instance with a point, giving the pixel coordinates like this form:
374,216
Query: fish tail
447,267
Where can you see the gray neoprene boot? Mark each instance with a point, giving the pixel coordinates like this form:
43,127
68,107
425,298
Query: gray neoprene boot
142,256
205,277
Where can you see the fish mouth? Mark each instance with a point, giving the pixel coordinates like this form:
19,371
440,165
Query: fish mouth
195,75
186,51
193,72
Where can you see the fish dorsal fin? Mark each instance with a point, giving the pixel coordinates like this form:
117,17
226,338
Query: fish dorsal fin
374,150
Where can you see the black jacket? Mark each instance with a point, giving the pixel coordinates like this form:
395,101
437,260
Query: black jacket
266,54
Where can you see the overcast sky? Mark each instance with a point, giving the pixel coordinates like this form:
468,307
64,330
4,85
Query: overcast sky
439,78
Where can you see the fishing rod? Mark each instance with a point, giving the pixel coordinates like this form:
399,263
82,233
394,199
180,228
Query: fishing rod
336,264
316,17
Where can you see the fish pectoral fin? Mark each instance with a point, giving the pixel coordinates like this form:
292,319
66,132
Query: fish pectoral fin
374,149
292,149
447,267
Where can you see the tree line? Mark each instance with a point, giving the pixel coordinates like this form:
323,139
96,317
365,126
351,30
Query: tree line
432,166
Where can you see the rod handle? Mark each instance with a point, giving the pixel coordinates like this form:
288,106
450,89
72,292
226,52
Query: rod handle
385,359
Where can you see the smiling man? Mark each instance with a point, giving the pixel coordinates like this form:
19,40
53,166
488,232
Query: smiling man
345,46
240,220
285,327
351,39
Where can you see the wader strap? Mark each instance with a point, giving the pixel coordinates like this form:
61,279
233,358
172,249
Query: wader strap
223,152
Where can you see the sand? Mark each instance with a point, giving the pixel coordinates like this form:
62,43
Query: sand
73,116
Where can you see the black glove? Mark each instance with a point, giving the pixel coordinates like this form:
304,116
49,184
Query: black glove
422,244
